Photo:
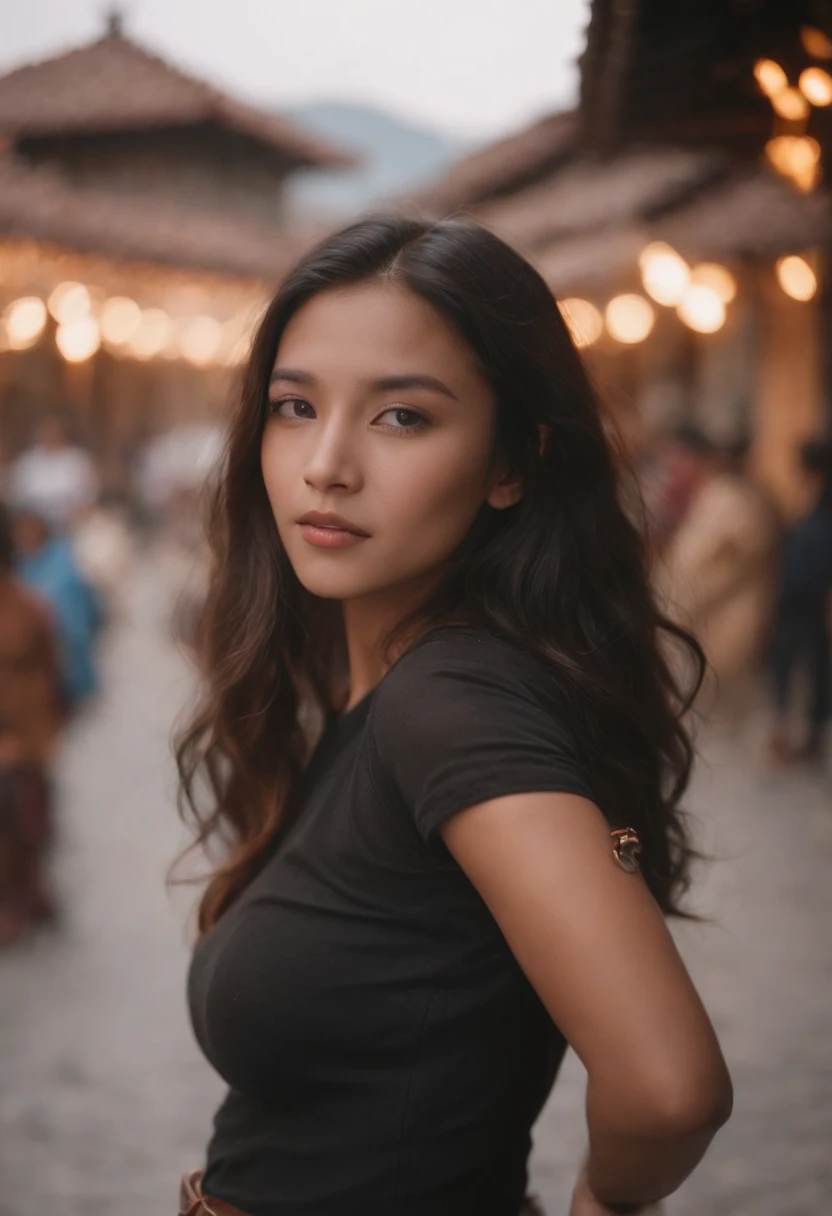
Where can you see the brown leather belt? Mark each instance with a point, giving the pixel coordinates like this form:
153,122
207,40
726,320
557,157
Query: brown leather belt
192,1202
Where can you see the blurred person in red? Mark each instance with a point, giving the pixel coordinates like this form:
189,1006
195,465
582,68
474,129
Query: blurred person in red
671,471
54,477
31,716
718,571
804,613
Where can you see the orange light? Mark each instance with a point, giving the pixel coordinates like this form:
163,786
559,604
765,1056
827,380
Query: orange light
69,302
796,277
790,104
718,278
815,42
664,272
24,321
702,309
79,340
120,318
583,319
796,157
770,77
816,86
630,318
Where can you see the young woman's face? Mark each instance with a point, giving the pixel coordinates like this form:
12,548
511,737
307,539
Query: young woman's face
380,417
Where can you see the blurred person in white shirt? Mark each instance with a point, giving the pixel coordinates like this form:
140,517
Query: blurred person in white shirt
55,476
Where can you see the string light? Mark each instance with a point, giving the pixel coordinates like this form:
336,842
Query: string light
664,272
702,309
815,42
583,319
770,77
717,278
630,318
201,340
796,157
816,86
24,321
152,334
796,277
69,302
790,104
79,340
120,318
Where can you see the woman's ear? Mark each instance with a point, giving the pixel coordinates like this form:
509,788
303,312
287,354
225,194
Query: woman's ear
505,492
545,435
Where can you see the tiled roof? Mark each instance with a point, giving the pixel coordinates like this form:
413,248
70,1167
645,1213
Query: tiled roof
750,212
41,204
589,193
116,85
509,164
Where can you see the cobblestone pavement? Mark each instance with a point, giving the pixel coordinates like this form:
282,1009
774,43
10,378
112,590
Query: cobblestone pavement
104,1098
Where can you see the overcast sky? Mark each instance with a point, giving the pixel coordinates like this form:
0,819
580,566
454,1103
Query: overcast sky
471,67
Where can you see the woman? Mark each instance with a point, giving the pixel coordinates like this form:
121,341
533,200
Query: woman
419,550
30,722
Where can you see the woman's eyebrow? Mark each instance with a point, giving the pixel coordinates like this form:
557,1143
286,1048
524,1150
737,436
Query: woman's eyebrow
409,381
288,373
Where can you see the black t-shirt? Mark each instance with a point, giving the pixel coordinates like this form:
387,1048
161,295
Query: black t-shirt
386,1056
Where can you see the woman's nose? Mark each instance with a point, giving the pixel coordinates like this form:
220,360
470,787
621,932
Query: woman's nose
332,462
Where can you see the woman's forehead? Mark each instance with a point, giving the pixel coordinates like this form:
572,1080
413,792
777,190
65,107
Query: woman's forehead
375,328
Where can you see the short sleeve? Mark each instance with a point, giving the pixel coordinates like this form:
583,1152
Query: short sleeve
463,719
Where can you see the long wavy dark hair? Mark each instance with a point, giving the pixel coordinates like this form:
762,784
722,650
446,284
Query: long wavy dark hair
563,573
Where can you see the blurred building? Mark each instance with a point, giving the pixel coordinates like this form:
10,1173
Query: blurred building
682,215
142,223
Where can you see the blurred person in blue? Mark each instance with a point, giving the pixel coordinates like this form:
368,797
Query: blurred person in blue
46,564
55,477
802,633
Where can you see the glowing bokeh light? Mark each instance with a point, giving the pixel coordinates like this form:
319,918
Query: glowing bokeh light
702,309
796,277
24,322
796,157
201,340
120,318
717,277
770,77
583,319
816,86
79,340
630,318
152,334
815,42
664,272
69,302
790,104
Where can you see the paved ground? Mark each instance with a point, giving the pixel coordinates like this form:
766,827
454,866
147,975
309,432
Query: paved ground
104,1098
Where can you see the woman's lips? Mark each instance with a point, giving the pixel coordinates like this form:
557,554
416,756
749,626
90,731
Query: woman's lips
329,538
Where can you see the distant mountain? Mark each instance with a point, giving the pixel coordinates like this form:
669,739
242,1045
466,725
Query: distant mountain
396,155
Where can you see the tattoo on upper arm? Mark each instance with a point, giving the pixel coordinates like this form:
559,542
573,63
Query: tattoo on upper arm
626,848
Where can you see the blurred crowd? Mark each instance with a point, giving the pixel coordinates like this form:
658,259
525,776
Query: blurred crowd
755,588
67,550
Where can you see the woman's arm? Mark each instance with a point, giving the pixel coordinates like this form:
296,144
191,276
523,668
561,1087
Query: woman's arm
594,945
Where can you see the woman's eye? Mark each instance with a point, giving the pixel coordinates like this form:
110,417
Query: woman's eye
292,407
404,419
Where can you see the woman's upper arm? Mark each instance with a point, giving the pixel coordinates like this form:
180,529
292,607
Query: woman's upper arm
594,945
